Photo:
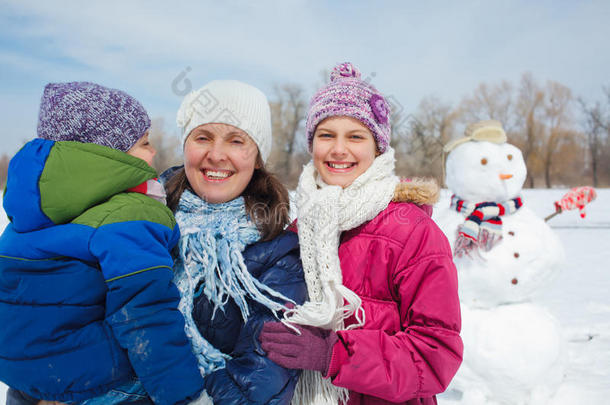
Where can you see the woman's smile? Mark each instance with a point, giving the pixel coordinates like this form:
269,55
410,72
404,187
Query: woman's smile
217,175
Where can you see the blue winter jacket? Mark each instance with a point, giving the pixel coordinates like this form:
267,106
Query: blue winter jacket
87,301
250,377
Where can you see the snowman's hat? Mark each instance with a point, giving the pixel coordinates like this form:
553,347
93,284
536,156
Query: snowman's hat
482,131
488,131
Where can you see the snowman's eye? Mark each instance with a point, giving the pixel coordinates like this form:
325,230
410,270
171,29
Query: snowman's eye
509,157
484,161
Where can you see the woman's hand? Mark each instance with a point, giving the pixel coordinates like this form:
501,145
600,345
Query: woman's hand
311,350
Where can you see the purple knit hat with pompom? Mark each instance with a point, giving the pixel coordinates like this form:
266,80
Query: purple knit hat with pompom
348,95
90,113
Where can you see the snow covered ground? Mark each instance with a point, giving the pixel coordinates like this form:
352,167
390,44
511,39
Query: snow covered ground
579,298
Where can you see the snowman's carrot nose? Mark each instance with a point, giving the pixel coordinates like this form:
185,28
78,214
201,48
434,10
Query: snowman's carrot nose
505,176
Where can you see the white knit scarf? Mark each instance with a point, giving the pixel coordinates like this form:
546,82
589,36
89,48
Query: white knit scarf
324,212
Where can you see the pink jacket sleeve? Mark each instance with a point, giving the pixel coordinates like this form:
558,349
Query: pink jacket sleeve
422,358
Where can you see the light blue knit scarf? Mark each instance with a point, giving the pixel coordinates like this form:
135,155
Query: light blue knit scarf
212,239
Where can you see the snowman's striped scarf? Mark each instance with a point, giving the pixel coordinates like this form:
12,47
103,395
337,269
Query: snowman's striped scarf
483,225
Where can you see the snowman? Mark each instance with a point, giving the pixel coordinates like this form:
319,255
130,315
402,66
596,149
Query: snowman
504,254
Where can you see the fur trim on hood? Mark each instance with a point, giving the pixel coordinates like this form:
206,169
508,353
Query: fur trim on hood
419,191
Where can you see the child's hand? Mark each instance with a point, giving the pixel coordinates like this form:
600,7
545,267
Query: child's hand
311,350
43,402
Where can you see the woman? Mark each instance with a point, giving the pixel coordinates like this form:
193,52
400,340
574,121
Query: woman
236,267
383,323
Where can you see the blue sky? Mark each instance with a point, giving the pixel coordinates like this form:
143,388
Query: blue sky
413,50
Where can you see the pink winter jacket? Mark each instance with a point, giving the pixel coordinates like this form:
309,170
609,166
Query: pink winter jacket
400,264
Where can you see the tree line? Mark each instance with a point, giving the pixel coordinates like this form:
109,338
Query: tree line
565,140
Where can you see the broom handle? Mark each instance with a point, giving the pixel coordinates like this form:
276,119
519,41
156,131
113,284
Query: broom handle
546,219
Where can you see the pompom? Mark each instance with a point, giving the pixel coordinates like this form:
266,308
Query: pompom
344,71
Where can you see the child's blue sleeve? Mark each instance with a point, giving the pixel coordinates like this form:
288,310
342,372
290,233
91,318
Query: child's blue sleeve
142,307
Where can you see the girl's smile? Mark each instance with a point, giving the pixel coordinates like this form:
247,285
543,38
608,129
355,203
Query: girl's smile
343,148
340,167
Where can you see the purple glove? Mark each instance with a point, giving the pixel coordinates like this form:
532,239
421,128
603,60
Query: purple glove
312,350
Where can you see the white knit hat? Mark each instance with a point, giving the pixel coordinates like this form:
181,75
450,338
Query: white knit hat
228,102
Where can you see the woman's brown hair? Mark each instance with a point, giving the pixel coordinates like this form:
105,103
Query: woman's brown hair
265,197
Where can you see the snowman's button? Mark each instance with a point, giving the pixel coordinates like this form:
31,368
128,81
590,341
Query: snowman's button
511,233
516,254
514,281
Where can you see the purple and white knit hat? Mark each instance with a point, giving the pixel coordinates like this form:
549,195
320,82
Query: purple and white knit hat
90,113
348,95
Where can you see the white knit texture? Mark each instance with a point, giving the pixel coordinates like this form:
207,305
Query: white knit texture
324,212
228,102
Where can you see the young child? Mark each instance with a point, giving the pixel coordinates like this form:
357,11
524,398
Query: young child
87,305
236,266
383,323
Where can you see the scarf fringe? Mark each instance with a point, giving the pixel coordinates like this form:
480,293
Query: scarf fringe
313,389
209,358
467,246
210,261
344,305
213,238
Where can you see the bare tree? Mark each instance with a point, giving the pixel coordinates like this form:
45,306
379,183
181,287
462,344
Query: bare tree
557,121
168,148
529,106
288,109
570,160
605,145
597,130
4,160
490,102
431,127
400,141
520,115
538,120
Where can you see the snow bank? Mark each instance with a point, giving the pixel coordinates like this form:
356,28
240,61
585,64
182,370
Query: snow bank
578,298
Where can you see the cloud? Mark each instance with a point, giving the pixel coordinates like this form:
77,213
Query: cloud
414,49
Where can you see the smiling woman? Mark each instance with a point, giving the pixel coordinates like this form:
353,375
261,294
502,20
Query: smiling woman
219,161
235,265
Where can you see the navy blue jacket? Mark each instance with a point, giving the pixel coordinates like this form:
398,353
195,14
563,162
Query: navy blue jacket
250,377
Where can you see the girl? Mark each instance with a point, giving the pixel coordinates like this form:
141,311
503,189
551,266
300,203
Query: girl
236,267
382,324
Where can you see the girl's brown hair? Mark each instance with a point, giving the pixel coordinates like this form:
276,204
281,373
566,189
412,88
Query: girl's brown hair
265,196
